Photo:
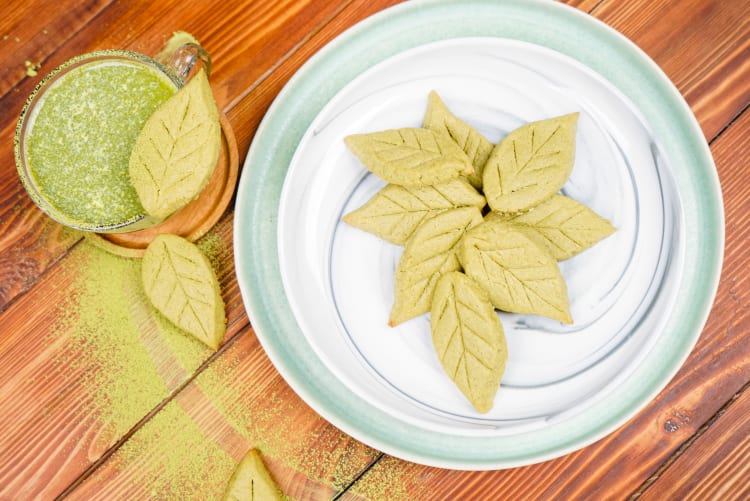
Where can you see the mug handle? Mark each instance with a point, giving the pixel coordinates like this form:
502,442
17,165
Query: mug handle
184,57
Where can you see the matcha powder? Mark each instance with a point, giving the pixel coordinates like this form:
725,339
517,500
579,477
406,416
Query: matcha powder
131,357
188,466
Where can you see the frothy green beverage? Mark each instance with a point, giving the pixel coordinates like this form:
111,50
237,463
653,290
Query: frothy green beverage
81,133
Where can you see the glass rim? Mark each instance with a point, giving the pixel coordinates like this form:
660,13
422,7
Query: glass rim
34,191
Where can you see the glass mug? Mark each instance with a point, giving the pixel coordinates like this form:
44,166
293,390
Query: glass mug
76,130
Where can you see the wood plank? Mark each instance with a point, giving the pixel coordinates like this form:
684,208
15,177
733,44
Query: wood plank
617,465
253,106
246,41
32,30
190,448
717,464
703,46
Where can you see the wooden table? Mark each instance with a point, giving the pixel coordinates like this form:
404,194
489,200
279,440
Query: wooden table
108,404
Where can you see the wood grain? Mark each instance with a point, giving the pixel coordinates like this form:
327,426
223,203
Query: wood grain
584,5
717,464
703,46
31,31
238,402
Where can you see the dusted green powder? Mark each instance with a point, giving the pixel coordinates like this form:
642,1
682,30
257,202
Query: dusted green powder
131,358
269,418
392,479
186,465
214,248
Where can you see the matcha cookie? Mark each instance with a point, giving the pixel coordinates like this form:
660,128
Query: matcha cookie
530,164
519,273
410,156
395,211
428,254
176,152
475,145
180,282
468,338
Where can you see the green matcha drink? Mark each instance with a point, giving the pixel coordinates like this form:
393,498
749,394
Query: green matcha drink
79,135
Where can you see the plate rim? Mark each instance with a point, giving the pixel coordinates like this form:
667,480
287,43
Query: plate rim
295,364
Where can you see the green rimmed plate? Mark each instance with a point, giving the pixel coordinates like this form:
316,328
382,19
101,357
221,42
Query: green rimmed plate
292,255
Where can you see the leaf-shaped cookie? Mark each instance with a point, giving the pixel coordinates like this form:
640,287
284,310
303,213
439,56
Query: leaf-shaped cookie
180,283
410,156
251,481
428,254
177,149
395,211
468,338
475,145
519,273
567,227
530,164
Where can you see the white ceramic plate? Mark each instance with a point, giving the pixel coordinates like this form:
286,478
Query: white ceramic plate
318,292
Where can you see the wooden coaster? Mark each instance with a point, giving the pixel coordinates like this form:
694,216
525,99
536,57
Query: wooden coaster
195,219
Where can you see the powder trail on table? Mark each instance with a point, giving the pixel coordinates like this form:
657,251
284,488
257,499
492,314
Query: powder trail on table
325,455
391,478
214,247
130,358
188,465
